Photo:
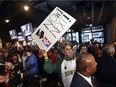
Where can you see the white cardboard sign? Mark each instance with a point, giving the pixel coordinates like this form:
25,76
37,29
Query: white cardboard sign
52,28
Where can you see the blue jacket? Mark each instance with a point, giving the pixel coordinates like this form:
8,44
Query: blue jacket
32,65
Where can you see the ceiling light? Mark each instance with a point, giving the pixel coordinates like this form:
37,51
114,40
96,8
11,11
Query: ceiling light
7,21
88,18
90,25
26,8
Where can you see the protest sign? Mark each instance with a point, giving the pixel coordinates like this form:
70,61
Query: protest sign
52,28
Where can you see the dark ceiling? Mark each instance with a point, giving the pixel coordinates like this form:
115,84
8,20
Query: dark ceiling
86,12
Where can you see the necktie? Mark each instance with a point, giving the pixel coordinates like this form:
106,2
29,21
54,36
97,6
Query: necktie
93,82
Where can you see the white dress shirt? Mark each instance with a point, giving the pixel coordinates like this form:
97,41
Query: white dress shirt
88,79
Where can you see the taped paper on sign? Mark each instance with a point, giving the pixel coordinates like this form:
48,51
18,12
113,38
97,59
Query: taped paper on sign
52,28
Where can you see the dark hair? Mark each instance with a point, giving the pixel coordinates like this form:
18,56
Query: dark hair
80,47
28,50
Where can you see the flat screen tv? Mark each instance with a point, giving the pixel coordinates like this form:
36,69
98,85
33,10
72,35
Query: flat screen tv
29,38
27,29
20,34
13,34
21,38
98,34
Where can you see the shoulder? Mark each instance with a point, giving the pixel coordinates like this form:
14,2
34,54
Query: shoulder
32,56
76,81
76,76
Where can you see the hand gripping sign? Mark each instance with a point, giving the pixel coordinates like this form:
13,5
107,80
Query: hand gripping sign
52,28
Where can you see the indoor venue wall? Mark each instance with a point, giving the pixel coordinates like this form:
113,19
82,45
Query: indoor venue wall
113,29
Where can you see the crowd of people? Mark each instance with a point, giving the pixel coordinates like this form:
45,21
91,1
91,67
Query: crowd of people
66,64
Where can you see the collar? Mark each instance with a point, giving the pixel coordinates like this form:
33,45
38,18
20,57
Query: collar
68,59
88,79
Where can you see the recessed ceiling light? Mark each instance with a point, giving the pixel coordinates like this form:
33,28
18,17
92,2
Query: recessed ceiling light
26,8
88,18
7,21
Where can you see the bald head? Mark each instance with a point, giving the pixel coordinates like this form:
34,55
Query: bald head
86,63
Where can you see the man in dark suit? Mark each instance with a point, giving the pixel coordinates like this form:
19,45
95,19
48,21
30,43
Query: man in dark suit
106,68
85,68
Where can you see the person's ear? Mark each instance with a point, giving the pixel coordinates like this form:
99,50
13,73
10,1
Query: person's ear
87,69
112,52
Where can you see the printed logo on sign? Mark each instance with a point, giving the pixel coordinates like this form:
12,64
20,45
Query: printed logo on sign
46,42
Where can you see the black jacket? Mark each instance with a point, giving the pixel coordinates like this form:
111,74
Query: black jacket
79,81
106,71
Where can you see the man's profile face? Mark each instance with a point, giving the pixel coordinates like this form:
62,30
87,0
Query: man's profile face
93,65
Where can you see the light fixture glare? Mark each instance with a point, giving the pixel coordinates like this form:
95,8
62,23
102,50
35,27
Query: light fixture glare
26,8
7,21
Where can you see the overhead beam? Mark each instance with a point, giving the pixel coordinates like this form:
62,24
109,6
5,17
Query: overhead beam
101,12
92,12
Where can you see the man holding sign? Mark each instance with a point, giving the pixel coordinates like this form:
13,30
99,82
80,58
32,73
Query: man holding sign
65,66
47,34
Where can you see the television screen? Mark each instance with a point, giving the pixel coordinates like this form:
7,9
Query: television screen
29,38
101,40
13,34
20,34
27,29
98,34
21,38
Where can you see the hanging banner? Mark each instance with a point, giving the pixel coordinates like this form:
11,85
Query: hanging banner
52,28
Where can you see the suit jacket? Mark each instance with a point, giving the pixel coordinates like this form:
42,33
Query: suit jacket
79,81
106,71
